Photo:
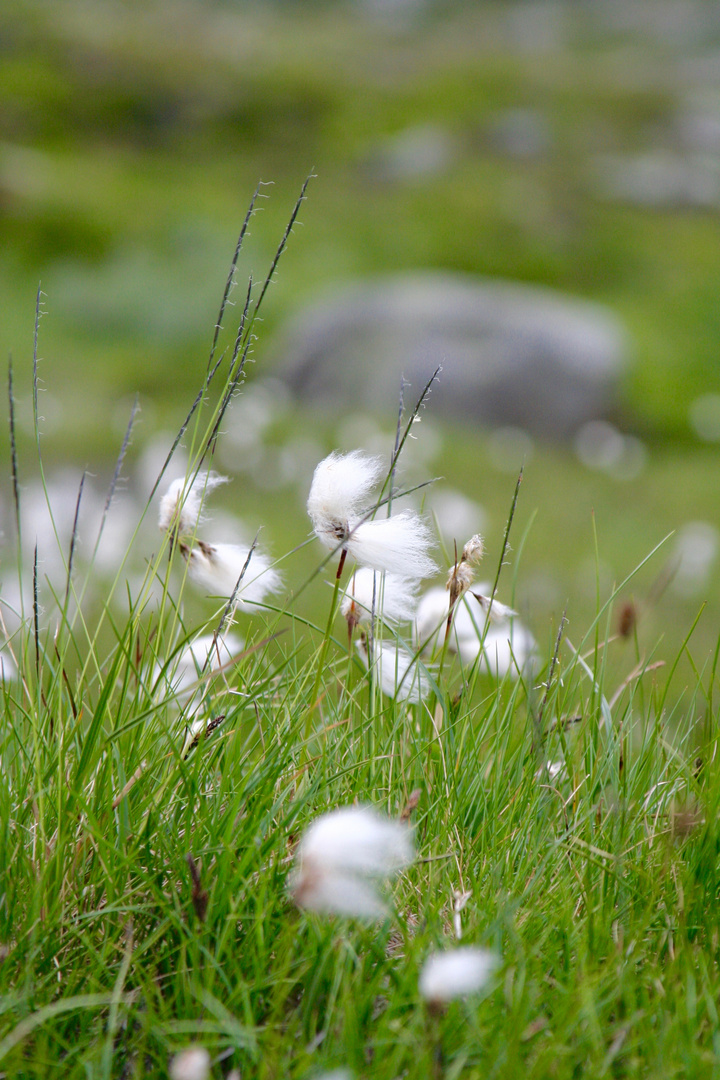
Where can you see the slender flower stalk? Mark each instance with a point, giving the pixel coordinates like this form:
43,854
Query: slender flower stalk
343,856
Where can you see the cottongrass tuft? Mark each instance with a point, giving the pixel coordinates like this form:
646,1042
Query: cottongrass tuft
191,1064
399,545
399,673
388,596
340,491
217,568
181,505
339,501
341,858
505,646
455,973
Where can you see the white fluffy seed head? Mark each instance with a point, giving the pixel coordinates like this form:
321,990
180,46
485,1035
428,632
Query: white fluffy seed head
191,1064
399,674
455,973
459,579
340,491
474,549
217,568
507,644
343,855
392,598
205,654
399,545
181,505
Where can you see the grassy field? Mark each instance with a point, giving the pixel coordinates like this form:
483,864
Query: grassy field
564,817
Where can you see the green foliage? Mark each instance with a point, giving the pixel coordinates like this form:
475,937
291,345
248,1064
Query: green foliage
144,899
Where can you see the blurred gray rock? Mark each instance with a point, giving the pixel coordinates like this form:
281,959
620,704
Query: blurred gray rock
658,178
510,353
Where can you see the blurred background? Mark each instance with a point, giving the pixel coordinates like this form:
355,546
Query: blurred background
526,192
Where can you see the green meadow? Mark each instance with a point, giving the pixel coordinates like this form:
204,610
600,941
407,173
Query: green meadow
563,814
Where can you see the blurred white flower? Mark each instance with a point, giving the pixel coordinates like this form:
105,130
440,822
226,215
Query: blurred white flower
191,1064
181,505
217,568
205,654
507,645
391,597
341,858
551,770
338,500
399,674
455,973
498,612
696,550
8,670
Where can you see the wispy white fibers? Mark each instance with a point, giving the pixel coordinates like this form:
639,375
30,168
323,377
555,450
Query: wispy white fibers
340,499
398,544
392,598
456,973
343,856
181,505
399,674
340,492
217,568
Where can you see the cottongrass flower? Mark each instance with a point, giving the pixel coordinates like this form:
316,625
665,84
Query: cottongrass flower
504,645
388,596
204,655
339,493
338,503
455,973
217,568
343,856
181,505
399,673
191,1064
398,545
462,574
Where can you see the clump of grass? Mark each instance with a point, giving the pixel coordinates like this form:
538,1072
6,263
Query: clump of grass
159,774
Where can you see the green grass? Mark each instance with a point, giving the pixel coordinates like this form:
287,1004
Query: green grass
598,887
